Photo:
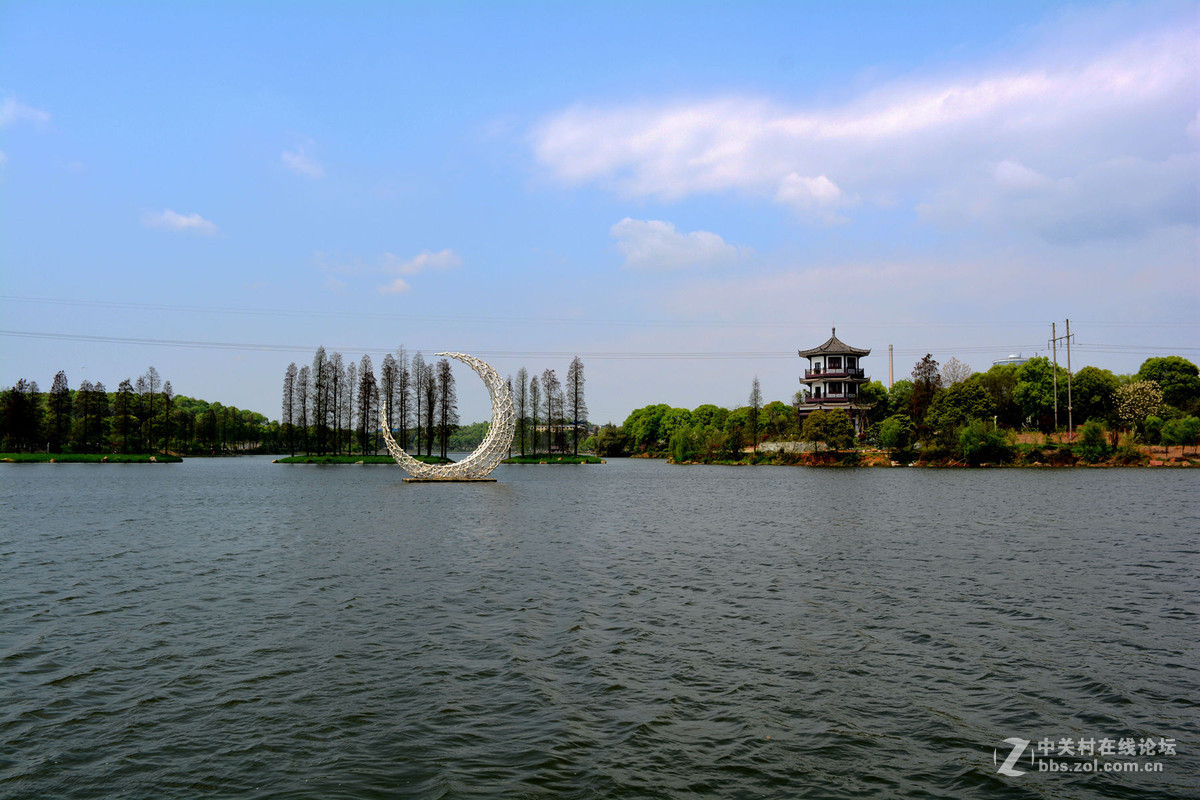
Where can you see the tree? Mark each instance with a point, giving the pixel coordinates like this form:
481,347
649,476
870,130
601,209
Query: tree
302,384
123,418
955,371
58,418
1000,382
900,398
926,381
831,428
1182,431
1136,401
954,407
576,405
1092,443
403,396
22,409
535,398
447,404
288,410
1178,378
349,404
551,389
389,372
430,390
418,382
896,433
168,399
521,401
873,400
368,403
755,408
1095,393
983,443
153,382
1034,393
320,398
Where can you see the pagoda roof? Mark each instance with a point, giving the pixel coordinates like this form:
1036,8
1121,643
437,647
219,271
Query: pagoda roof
834,347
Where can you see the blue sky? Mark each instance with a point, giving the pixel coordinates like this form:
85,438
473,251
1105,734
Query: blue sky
682,194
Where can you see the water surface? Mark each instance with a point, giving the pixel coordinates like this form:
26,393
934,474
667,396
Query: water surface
234,628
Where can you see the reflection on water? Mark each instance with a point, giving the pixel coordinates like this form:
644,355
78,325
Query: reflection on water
236,628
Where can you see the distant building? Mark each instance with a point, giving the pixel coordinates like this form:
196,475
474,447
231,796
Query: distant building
833,379
1013,358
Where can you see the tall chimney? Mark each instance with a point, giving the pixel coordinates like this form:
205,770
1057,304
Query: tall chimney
889,366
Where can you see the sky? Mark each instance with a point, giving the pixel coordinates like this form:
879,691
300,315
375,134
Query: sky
682,194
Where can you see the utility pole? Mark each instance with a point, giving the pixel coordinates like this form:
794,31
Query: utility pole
1054,340
1070,419
1054,350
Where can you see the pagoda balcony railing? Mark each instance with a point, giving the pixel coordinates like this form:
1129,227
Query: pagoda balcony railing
832,398
835,373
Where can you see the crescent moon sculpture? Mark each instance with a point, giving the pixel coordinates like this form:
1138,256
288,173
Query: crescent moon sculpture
491,451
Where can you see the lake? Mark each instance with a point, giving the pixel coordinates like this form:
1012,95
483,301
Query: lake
237,628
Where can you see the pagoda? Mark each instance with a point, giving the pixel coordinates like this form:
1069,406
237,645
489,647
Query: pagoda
833,379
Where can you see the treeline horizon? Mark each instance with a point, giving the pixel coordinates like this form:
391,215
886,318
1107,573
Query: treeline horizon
932,410
141,416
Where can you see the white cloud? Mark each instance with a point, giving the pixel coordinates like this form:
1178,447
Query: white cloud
395,287
1058,113
13,111
300,162
422,262
656,245
181,223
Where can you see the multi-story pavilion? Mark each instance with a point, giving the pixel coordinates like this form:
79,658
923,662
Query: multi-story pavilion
833,379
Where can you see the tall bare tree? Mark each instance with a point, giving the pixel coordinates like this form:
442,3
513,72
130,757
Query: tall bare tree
535,400
403,396
552,389
521,401
368,404
288,409
58,421
429,389
755,407
447,404
320,398
302,382
388,373
577,410
418,384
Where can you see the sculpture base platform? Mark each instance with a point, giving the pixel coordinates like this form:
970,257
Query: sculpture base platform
449,480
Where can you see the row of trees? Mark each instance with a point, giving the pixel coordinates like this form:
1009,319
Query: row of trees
334,406
548,412
141,416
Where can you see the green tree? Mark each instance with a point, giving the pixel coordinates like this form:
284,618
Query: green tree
610,441
897,432
1094,393
21,407
576,403
1183,431
1178,378
982,443
1034,393
873,399
755,407
954,407
900,398
927,382
1000,382
643,426
1092,442
831,428
58,416
709,414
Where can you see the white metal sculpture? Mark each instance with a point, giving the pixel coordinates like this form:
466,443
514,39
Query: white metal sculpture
491,451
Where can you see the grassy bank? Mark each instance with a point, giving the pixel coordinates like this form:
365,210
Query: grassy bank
88,458
356,460
554,459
